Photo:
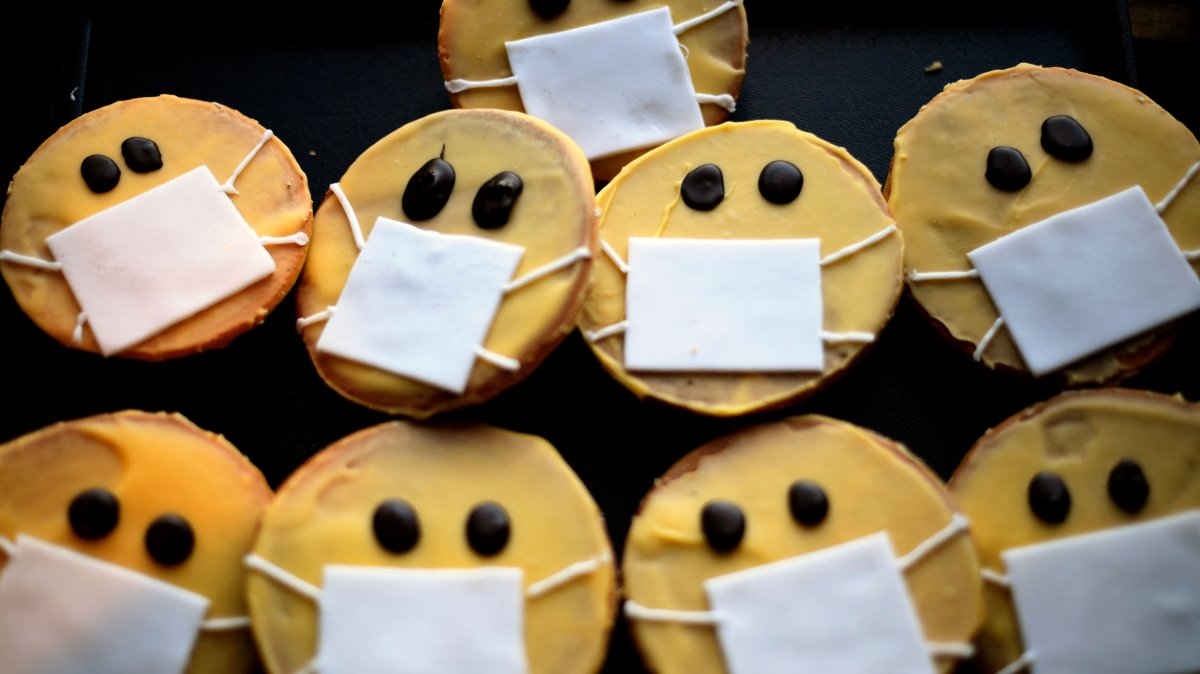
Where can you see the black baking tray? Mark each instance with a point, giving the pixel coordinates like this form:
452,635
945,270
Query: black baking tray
332,82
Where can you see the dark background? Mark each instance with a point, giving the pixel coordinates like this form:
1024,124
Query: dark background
331,83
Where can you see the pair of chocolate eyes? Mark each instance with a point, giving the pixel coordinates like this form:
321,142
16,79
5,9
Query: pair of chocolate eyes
1050,500
398,530
430,187
703,188
724,523
548,9
95,513
102,173
1062,138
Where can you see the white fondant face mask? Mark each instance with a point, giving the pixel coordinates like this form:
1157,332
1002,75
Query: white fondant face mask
840,610
582,81
1111,602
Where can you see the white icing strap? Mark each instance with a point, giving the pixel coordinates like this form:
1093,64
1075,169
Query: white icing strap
995,578
987,338
355,229
297,239
318,317
724,100
636,611
606,332
29,261
684,26
612,255
1191,255
77,332
499,360
1187,178
856,247
837,337
456,86
228,187
1019,664
225,624
568,574
917,276
950,649
285,578
580,253
8,547
958,525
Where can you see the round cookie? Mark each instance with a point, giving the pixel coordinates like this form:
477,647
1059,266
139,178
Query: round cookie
1122,458
127,489
403,498
1052,140
127,149
550,217
825,194
472,36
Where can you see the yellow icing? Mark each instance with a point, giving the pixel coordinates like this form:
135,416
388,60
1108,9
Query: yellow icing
155,464
872,485
323,513
1080,437
473,32
840,203
946,207
48,194
554,215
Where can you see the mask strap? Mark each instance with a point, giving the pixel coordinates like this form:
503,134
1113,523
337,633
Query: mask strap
684,26
847,337
987,338
226,624
958,525
724,100
606,332
580,253
228,187
457,86
297,239
319,317
498,359
919,276
77,331
856,247
1019,664
636,611
614,256
29,261
996,578
566,575
7,546
285,578
950,649
1187,178
355,229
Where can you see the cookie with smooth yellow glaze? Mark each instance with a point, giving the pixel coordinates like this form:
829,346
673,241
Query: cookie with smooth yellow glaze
771,495
946,206
150,493
550,215
127,149
408,498
825,194
472,36
1077,464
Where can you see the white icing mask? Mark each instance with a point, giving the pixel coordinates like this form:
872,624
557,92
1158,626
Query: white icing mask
62,612
1111,602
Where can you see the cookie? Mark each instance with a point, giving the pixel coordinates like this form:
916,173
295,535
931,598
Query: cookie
154,228
769,263
121,545
448,262
618,77
411,548
802,545
1052,222
1086,511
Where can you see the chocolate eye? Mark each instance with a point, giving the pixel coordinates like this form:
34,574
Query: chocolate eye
780,182
723,524
141,154
1049,498
100,173
1066,139
396,526
495,200
428,190
94,514
1127,486
488,528
548,9
703,188
1007,169
808,502
169,540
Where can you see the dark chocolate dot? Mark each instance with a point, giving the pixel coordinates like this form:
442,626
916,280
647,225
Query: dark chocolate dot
808,502
100,173
1049,498
1127,486
170,540
428,190
495,200
488,528
141,154
94,514
396,526
703,187
780,182
723,524
1066,139
1007,169
548,9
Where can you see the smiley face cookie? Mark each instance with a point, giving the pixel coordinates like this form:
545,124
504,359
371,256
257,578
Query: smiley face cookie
410,548
746,265
618,77
155,228
1052,221
802,545
448,262
121,546
1086,511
